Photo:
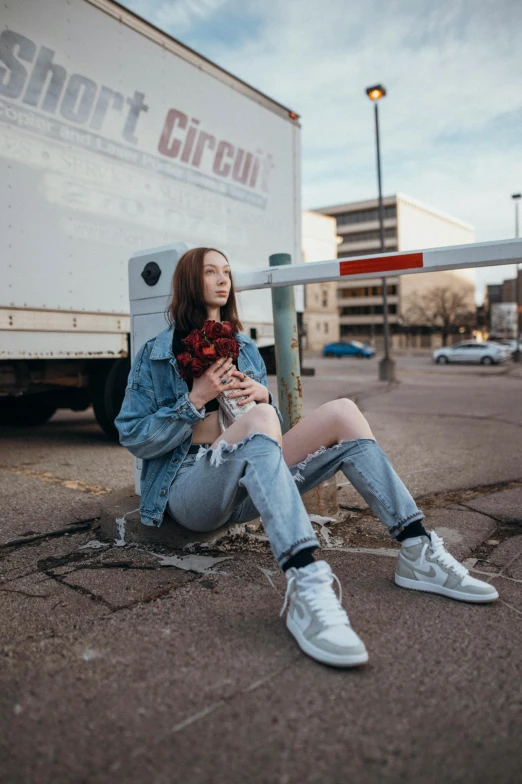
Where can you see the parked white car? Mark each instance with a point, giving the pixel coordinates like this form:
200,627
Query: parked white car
485,353
511,344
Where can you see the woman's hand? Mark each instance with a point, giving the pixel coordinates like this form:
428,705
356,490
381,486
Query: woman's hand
244,385
210,384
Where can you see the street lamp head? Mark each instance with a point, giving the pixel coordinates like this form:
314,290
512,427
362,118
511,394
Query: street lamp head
516,196
376,92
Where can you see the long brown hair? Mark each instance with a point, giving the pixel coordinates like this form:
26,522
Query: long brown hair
187,309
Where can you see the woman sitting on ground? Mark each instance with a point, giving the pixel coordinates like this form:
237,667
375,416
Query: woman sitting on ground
206,478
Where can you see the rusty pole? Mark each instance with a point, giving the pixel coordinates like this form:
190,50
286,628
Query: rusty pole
286,349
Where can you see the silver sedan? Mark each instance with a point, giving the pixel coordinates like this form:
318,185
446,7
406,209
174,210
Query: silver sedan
485,353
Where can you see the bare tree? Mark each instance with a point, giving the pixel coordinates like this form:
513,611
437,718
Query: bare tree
443,307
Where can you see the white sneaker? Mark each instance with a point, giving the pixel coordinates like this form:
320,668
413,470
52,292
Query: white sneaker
316,617
425,565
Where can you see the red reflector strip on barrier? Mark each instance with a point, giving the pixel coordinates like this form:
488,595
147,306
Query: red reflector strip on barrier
382,264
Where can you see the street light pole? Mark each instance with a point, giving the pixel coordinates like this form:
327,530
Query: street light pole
517,354
383,245
386,365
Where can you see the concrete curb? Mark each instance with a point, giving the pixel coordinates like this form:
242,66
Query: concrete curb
464,528
120,520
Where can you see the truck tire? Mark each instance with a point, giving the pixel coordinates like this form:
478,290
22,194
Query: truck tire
107,393
25,411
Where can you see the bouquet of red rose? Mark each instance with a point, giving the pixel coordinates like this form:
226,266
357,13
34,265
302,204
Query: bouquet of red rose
204,346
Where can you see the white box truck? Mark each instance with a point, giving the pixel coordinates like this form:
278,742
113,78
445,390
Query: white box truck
114,138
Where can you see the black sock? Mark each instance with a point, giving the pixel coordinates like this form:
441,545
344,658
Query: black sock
413,529
300,559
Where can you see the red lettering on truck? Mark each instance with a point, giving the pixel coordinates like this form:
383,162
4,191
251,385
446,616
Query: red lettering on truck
199,148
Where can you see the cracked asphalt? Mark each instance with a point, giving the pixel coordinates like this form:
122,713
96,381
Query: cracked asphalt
118,666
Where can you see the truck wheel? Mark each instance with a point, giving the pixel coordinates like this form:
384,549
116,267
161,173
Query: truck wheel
107,392
25,411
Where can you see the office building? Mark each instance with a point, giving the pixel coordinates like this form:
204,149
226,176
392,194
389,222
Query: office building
408,225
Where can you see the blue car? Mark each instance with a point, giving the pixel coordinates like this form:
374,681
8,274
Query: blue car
348,348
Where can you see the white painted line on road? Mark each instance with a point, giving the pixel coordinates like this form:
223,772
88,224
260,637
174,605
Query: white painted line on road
261,682
182,724
196,717
204,713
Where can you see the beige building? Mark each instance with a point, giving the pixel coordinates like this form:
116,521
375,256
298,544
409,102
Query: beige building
408,225
321,312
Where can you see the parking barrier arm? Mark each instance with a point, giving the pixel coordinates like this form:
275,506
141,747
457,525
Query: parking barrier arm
481,254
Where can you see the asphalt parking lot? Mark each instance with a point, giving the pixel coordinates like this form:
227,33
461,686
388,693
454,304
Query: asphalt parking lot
117,665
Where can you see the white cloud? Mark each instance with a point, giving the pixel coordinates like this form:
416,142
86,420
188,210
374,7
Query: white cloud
176,16
453,71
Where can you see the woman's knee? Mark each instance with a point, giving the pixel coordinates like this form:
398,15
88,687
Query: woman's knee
348,421
343,408
263,419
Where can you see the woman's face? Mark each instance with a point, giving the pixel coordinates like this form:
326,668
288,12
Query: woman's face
216,280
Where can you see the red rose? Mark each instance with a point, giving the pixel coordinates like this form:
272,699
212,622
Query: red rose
192,339
196,368
184,359
227,347
205,350
212,329
228,329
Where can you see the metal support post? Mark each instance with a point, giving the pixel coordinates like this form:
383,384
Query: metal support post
323,499
286,349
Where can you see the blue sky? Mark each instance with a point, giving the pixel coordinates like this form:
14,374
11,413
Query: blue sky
451,123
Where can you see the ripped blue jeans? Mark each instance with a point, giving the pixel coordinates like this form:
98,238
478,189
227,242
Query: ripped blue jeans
239,482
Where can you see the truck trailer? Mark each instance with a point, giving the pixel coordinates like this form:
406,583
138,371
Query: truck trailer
115,137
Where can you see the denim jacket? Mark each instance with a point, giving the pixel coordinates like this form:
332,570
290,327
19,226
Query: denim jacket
157,418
